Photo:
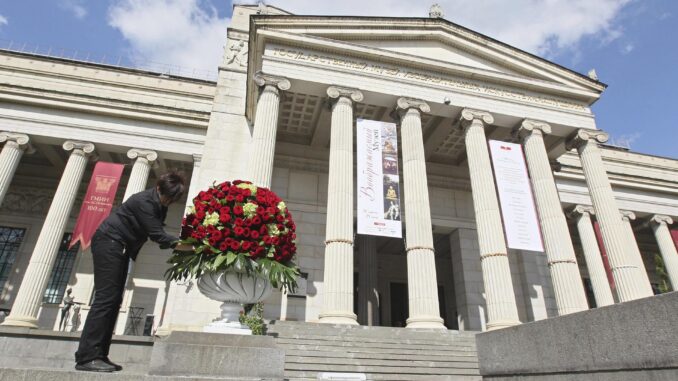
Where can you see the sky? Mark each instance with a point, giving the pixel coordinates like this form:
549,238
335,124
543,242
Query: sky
632,44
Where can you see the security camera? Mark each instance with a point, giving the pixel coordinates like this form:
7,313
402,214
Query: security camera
447,100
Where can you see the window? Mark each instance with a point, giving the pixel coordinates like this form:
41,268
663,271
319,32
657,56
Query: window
10,239
61,271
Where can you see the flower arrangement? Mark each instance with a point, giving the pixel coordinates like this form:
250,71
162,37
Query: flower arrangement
237,226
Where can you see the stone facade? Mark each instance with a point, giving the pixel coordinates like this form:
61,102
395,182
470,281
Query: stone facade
282,113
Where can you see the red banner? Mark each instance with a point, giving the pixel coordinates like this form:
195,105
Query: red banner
674,234
603,253
98,202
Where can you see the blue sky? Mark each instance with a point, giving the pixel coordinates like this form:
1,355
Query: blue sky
631,43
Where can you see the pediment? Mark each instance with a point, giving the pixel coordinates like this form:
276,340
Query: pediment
433,44
435,50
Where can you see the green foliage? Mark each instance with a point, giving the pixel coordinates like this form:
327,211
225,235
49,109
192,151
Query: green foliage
660,269
189,265
252,317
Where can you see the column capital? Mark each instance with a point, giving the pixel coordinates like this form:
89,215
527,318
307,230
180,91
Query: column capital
469,115
279,83
87,148
627,215
149,155
530,126
20,139
660,219
336,92
581,210
583,136
403,104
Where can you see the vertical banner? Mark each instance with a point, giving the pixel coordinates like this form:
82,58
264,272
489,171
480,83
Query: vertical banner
674,234
521,224
603,253
378,179
98,202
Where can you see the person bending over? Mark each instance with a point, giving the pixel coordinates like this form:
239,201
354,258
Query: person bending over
117,241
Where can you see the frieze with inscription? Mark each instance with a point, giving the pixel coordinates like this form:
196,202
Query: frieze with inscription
419,76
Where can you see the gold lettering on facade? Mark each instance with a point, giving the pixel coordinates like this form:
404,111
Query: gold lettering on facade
395,72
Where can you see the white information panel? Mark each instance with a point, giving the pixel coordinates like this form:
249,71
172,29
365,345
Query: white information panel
521,223
378,180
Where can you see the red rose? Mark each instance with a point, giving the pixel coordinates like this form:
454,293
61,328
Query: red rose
223,246
238,231
224,218
280,218
226,232
267,239
200,215
239,222
239,198
237,210
256,220
254,234
235,245
225,210
230,198
275,240
246,245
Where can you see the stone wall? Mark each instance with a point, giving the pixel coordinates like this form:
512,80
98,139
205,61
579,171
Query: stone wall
630,341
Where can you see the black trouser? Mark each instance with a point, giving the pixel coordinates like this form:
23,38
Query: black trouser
110,273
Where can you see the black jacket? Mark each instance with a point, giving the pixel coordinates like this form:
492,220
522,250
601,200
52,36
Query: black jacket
141,217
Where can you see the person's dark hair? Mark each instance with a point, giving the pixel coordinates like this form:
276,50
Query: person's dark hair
172,185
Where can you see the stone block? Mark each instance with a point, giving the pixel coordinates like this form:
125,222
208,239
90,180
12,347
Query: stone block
634,336
193,354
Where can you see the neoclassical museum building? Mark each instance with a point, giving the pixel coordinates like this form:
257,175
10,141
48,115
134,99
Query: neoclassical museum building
283,114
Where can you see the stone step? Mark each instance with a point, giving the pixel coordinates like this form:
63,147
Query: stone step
452,351
313,376
375,344
37,374
465,356
468,364
347,330
442,341
404,368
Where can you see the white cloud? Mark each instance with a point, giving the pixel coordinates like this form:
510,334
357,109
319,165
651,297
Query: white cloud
625,140
189,33
74,6
628,48
540,27
185,33
3,20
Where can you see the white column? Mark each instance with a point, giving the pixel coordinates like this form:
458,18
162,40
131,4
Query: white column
176,303
368,297
138,178
15,145
628,216
265,128
567,284
29,298
627,276
594,260
143,160
338,282
666,246
422,284
502,310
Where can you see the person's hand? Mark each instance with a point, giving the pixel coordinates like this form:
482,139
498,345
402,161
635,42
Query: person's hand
184,247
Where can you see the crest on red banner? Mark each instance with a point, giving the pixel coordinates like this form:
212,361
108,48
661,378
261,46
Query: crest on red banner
98,202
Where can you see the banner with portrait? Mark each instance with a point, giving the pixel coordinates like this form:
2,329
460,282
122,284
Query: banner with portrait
378,179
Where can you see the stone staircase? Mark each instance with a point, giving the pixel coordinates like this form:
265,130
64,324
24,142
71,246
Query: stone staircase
381,353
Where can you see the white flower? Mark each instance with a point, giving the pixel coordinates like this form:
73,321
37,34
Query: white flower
211,219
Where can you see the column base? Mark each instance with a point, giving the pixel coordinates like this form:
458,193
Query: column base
425,322
26,322
338,317
501,324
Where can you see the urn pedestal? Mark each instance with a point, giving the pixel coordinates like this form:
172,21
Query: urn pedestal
233,288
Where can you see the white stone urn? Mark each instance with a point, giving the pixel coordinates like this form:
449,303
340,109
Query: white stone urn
233,288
